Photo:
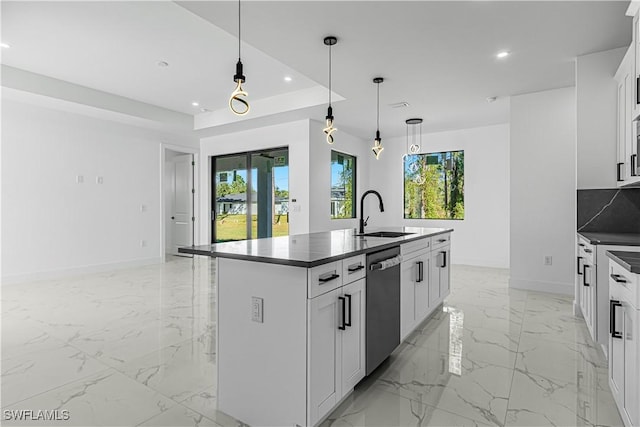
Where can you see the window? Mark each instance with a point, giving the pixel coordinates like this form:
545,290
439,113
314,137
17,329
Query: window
434,185
343,185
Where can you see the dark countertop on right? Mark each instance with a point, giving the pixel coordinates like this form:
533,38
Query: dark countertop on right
629,260
620,239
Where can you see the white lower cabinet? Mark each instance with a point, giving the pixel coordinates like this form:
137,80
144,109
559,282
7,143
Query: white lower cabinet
624,345
336,346
439,286
324,345
414,291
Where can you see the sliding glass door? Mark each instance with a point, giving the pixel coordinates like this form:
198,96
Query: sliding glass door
250,195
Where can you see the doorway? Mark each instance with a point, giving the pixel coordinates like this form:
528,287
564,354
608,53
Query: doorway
179,200
250,195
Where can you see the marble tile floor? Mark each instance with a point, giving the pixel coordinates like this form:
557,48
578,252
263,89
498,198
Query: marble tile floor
136,347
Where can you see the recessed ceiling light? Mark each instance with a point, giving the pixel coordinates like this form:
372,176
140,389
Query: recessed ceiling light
287,78
204,110
163,64
5,45
402,104
502,54
491,99
195,104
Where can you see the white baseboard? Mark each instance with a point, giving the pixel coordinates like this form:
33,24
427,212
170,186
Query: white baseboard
481,262
76,271
540,286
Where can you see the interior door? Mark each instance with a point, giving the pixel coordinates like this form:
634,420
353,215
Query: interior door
182,210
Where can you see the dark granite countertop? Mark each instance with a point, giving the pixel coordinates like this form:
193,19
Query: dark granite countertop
629,260
309,250
620,239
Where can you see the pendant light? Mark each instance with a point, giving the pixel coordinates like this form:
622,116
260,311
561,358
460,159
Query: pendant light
330,41
241,106
414,135
377,142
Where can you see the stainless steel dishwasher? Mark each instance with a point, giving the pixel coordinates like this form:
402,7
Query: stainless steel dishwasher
383,306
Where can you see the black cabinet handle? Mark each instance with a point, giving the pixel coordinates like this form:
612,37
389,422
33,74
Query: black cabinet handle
353,269
584,276
588,251
619,172
342,302
618,278
348,322
420,271
581,244
444,259
612,318
329,278
638,90
634,159
579,258
442,240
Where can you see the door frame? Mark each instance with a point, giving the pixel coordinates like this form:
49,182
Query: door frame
195,224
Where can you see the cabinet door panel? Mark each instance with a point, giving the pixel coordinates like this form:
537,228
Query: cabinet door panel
434,280
630,334
353,337
407,297
616,349
421,287
444,272
324,344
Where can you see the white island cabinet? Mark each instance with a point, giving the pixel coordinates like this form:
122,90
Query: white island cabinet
291,318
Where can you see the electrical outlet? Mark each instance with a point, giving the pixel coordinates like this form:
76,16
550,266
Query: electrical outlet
79,179
143,243
548,260
257,306
143,208
99,180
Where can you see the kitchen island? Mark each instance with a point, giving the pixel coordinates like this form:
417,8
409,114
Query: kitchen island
302,319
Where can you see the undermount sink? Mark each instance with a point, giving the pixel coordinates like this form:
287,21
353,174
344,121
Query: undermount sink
385,234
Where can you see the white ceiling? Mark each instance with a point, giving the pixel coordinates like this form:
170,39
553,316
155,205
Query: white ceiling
116,46
438,56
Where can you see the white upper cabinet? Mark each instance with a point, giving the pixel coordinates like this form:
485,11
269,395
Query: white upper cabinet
628,108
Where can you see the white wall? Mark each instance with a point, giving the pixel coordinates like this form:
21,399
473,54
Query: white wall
320,176
50,223
543,190
596,103
294,135
309,170
482,238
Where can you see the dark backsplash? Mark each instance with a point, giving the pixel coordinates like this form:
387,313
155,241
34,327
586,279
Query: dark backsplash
622,215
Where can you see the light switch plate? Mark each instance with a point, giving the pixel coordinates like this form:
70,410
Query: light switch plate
257,309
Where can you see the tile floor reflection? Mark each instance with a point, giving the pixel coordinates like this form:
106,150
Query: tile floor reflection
137,347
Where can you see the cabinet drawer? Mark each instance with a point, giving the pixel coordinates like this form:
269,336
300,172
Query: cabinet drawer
415,246
354,268
440,240
586,250
324,278
627,282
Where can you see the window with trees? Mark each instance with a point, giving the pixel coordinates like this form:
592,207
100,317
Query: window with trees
343,184
434,185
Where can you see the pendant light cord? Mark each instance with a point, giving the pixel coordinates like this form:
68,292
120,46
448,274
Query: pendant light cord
239,30
378,106
329,75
